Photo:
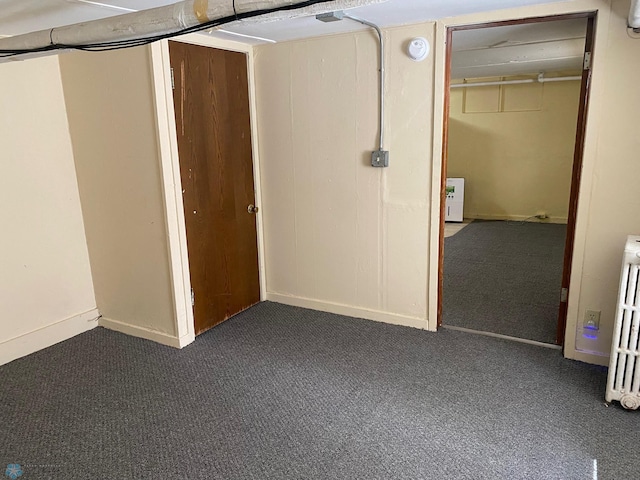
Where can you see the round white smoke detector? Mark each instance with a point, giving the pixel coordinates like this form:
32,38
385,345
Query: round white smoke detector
418,49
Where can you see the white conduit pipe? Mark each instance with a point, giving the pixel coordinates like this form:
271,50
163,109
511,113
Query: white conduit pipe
634,15
560,79
540,79
162,20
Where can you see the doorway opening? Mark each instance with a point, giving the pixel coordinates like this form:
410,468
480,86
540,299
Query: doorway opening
515,100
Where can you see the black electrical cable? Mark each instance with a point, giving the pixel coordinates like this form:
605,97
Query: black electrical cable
120,44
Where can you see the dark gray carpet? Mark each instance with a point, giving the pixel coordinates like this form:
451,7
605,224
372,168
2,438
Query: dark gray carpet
286,393
504,277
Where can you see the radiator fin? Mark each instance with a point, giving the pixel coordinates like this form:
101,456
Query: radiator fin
623,383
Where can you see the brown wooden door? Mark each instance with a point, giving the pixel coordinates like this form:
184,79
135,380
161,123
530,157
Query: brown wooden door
211,99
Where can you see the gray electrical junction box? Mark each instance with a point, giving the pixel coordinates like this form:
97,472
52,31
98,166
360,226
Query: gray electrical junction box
380,158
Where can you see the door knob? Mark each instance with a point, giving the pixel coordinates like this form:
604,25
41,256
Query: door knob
252,209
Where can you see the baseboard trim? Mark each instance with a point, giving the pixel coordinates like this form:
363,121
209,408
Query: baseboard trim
348,310
593,358
146,333
516,218
46,336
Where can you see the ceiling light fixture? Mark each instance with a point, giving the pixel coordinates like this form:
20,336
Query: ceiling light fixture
242,35
105,5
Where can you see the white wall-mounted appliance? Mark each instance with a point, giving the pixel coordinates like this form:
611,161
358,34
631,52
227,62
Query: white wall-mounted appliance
454,206
623,382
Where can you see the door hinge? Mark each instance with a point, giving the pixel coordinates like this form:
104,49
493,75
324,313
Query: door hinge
173,80
193,298
564,295
586,64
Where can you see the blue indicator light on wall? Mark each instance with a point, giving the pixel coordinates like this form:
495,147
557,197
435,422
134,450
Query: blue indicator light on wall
590,332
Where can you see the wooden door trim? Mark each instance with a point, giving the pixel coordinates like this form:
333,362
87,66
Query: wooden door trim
576,178
443,169
577,163
170,169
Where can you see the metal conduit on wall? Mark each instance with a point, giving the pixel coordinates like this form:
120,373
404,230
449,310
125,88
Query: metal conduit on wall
380,157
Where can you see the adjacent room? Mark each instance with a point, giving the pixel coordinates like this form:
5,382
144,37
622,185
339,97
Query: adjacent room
514,104
224,251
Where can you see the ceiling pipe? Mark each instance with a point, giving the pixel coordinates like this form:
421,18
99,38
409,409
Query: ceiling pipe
634,15
164,20
540,79
572,78
491,84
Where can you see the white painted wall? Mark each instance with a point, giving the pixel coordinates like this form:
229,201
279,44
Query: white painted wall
112,118
515,163
608,202
340,235
612,201
46,292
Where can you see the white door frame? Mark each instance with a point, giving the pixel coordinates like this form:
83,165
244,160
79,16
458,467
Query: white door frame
170,171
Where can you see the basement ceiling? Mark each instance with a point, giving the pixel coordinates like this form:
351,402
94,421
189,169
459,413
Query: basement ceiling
551,46
546,47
